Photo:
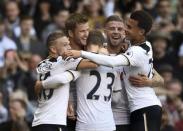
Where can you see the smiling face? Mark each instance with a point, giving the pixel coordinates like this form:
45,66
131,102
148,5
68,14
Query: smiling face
115,32
132,31
80,34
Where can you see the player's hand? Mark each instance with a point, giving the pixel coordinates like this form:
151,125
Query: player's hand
70,111
38,87
72,54
140,80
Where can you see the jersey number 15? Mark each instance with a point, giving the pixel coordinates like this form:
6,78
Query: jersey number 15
46,94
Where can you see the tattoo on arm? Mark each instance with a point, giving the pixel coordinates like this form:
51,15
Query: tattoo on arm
157,80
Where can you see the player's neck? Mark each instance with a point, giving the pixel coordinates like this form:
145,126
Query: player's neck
113,49
52,55
75,46
138,41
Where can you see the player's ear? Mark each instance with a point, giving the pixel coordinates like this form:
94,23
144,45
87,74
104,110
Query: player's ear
52,49
142,32
70,33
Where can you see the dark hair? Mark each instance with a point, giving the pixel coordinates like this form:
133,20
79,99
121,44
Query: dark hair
95,37
74,20
144,20
25,17
113,18
52,37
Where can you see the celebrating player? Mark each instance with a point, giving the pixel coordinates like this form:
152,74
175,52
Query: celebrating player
94,90
55,75
144,105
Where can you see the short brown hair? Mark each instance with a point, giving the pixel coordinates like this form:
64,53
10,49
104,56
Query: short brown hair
52,37
113,18
74,20
95,37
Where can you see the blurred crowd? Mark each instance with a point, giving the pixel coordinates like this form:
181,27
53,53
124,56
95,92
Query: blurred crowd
25,25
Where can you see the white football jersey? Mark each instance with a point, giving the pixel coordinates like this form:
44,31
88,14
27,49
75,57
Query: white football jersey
120,105
94,90
141,62
52,103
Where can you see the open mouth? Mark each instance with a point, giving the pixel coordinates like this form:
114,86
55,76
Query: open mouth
84,39
116,37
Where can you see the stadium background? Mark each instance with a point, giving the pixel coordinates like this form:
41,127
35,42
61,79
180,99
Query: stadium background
26,23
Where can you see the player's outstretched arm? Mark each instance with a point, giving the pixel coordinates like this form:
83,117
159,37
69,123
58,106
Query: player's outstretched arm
86,64
63,78
100,59
55,81
111,61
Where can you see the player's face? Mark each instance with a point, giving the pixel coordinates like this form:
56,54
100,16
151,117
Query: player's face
132,30
62,45
115,32
81,34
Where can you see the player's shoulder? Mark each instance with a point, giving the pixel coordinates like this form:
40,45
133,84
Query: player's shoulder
74,60
71,63
47,64
144,47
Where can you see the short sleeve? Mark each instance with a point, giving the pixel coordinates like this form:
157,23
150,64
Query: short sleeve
135,55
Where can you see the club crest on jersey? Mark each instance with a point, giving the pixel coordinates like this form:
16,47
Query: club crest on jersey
44,67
